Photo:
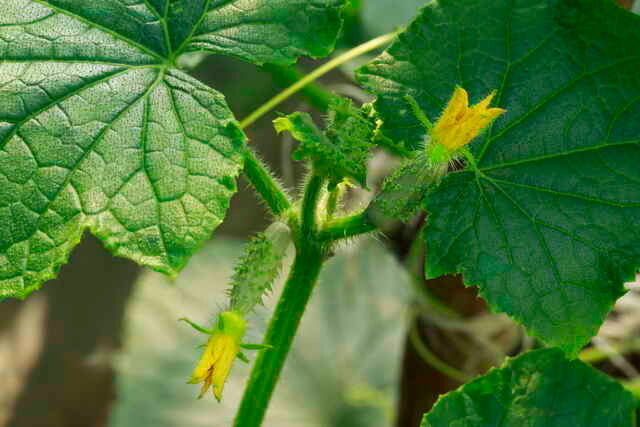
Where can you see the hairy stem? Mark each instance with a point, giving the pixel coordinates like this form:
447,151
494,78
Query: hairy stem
310,254
265,184
288,312
257,173
332,203
310,200
282,330
342,228
317,73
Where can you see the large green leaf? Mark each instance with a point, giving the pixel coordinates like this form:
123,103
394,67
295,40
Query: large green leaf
273,31
538,389
99,129
549,225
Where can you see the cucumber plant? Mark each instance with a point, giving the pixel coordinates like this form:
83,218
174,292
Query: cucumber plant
518,123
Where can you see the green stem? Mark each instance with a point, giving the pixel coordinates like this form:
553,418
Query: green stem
265,184
332,203
429,357
415,259
317,73
317,96
313,189
282,330
633,386
288,312
310,255
594,355
342,228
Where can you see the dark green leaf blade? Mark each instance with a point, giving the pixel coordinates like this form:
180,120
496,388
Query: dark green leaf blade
261,31
549,226
36,30
97,132
72,22
538,389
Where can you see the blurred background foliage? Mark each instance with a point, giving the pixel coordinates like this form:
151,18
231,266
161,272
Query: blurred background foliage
343,368
101,345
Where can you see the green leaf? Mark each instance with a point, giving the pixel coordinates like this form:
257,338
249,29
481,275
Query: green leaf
342,150
538,389
549,224
259,31
100,130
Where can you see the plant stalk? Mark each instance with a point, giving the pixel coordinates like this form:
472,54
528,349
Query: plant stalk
593,355
282,330
285,76
343,228
310,255
286,318
312,193
317,73
429,357
265,184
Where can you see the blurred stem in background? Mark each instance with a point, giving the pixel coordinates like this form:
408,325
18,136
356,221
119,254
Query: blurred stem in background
285,76
314,75
633,386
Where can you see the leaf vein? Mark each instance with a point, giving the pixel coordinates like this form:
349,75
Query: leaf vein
107,77
553,95
565,194
102,28
145,139
560,154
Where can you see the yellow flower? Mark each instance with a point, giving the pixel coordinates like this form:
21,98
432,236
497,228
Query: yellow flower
221,350
460,124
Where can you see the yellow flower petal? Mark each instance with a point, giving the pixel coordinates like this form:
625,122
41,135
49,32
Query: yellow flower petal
482,105
221,351
223,368
455,109
460,124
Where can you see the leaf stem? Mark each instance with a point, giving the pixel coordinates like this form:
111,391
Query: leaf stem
429,357
318,96
265,184
332,202
313,189
633,386
317,73
595,355
282,330
342,228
